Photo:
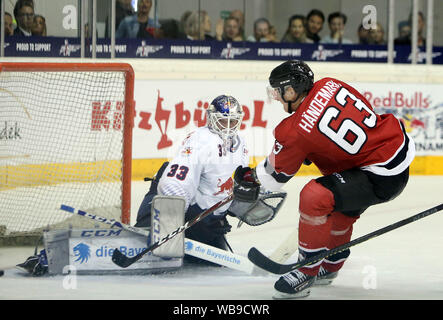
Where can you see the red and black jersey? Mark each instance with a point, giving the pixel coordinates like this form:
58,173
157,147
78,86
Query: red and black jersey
336,128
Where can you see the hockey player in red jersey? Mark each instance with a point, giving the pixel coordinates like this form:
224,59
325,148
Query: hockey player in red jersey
364,158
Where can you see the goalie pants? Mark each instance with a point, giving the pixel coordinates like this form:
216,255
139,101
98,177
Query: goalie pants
330,205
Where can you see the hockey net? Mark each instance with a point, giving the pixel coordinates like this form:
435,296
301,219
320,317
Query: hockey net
65,138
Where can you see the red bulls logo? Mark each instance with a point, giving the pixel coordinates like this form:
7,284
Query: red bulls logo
228,185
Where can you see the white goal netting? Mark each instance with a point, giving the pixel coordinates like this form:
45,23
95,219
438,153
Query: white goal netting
61,142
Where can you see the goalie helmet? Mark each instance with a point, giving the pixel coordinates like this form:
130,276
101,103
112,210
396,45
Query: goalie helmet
224,116
294,73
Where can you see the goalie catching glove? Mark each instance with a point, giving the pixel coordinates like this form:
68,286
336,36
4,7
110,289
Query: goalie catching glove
246,184
250,205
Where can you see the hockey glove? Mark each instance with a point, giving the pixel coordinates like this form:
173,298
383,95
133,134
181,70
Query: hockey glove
246,184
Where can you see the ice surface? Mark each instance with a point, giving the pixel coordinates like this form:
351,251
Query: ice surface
406,263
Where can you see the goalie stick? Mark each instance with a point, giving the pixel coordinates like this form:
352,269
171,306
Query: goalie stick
217,256
286,249
123,261
269,265
111,222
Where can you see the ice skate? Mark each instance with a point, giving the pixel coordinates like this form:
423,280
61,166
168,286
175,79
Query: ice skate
325,277
295,284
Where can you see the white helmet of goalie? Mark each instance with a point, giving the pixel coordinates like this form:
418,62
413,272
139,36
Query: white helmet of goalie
225,116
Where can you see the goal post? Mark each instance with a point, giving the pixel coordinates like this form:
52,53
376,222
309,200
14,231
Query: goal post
65,137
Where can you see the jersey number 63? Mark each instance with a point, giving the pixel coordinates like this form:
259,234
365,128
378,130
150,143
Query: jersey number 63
348,125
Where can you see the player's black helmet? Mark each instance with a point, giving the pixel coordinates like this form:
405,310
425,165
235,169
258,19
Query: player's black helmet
295,73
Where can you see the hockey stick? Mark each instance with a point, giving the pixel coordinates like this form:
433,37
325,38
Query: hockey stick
267,264
111,222
192,247
123,261
286,249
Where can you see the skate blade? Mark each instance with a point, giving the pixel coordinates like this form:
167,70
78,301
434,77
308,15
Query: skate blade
282,295
323,282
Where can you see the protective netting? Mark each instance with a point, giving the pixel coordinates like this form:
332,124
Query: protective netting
61,142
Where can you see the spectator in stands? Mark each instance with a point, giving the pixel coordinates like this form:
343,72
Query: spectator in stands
314,24
296,32
273,33
29,2
9,26
39,26
207,26
404,29
219,29
377,35
336,22
196,25
123,9
168,29
407,40
238,14
181,24
363,35
262,32
24,14
230,31
138,25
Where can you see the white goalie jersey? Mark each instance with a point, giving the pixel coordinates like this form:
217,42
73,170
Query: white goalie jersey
201,172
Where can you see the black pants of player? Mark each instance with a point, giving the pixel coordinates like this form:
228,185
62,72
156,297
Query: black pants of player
356,190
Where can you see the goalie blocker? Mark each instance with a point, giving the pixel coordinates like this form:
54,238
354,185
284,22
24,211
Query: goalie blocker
250,205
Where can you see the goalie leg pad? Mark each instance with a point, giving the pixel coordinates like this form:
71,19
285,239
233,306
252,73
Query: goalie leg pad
167,215
144,211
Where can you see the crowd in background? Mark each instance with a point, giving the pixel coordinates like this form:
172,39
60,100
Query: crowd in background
26,23
197,25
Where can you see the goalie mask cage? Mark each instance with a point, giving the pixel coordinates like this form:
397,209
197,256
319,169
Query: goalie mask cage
65,138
